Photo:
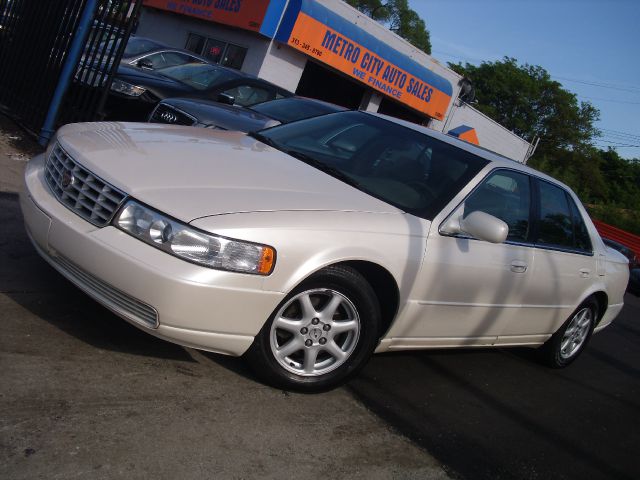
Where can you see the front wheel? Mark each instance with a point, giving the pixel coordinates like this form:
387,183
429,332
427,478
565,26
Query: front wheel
321,334
570,340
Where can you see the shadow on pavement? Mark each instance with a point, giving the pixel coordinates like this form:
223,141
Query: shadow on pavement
30,282
493,414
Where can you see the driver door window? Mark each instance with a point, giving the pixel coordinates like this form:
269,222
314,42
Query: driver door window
506,195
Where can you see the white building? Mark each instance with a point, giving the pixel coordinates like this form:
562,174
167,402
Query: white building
328,50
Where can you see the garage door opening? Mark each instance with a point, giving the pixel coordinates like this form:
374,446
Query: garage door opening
324,84
395,109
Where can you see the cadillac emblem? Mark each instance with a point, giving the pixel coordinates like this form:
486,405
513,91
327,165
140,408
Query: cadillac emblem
67,179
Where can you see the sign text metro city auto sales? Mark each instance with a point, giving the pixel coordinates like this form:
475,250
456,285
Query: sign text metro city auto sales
383,75
366,65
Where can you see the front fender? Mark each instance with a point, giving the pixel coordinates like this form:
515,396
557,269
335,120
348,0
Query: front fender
307,241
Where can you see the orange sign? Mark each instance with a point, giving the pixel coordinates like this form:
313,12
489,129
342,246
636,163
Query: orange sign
247,14
328,46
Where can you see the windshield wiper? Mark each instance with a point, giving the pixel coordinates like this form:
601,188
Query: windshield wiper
329,170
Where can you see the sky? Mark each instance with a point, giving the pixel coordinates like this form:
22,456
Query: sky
592,47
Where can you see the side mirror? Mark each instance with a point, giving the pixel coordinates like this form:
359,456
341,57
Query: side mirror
226,98
145,63
479,225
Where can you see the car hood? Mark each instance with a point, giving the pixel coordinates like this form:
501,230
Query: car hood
191,173
228,117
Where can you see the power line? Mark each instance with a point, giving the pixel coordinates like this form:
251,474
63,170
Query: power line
619,134
614,144
617,138
610,100
611,86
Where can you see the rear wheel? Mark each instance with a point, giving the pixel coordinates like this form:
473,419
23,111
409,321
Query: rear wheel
570,340
321,334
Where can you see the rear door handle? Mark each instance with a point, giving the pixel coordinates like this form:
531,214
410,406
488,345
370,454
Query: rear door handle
518,266
585,272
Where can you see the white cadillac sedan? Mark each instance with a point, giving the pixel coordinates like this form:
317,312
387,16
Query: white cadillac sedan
307,247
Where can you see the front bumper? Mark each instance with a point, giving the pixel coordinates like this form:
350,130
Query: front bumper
192,305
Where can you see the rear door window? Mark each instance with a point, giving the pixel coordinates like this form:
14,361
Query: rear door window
561,225
555,228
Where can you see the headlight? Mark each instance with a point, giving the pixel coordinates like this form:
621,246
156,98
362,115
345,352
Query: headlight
194,245
127,88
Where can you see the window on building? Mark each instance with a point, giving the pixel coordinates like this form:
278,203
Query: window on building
217,51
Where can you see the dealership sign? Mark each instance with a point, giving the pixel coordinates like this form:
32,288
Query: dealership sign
323,35
247,14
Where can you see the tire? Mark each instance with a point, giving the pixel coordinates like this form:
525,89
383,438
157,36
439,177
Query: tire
571,339
320,335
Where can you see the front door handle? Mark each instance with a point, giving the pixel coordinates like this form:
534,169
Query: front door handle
518,266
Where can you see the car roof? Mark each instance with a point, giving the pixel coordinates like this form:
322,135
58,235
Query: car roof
162,47
496,159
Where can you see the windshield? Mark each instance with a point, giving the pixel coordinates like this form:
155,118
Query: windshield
287,110
200,76
401,166
136,46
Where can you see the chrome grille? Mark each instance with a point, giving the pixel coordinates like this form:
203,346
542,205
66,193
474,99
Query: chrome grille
111,297
169,114
79,190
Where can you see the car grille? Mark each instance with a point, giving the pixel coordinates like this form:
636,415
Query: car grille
79,190
168,114
120,302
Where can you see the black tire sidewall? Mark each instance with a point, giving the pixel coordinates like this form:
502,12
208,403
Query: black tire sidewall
352,285
552,348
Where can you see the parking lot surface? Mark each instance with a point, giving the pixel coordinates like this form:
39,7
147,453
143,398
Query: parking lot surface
498,414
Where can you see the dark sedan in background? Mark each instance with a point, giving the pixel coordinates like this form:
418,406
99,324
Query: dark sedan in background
140,53
201,113
149,54
136,91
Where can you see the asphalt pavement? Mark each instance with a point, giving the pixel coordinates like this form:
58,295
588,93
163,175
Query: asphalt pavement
498,414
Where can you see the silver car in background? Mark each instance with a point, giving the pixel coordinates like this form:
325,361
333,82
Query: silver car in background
309,246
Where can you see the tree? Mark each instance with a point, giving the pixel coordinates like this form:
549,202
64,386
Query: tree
399,18
525,99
